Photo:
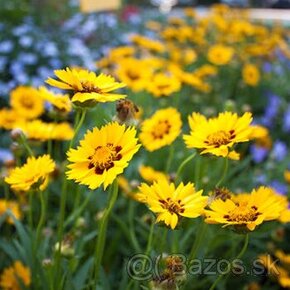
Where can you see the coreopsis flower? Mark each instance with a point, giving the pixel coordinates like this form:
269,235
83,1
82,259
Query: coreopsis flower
246,211
170,203
251,74
60,102
161,129
148,43
12,206
87,87
27,102
8,118
34,174
163,85
220,54
287,175
150,175
102,155
279,272
136,79
13,277
218,135
41,131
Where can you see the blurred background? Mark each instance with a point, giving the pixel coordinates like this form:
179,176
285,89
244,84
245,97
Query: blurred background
37,37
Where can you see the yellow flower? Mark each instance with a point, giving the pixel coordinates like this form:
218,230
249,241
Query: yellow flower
220,54
58,101
12,206
148,43
161,129
102,155
251,75
206,70
26,102
170,203
150,175
121,52
218,135
246,211
136,79
8,118
14,275
162,85
33,174
87,86
40,131
287,176
261,136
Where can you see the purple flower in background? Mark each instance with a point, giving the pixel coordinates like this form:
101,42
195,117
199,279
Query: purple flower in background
280,187
258,153
5,155
6,46
286,120
271,110
279,150
267,67
261,179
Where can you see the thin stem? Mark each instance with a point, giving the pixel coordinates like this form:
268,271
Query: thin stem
182,165
30,214
242,252
25,144
63,199
150,238
224,173
74,216
198,239
99,251
131,225
80,121
49,147
169,159
41,220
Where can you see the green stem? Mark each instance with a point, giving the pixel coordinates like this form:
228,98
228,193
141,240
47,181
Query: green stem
49,147
74,216
30,214
182,165
25,144
224,173
99,251
198,239
150,238
242,252
169,160
81,115
63,199
131,215
41,220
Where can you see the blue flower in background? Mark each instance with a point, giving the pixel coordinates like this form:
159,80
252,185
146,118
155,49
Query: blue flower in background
279,150
286,120
271,110
5,155
6,46
259,154
280,187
